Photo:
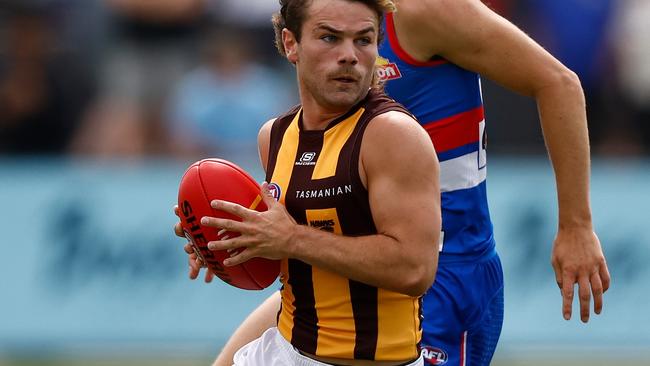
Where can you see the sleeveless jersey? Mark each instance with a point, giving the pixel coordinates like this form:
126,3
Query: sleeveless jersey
316,175
447,101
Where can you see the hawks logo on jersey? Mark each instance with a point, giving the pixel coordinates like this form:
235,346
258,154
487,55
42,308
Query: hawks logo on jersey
275,191
386,70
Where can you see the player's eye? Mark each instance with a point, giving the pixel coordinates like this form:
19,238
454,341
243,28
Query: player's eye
329,38
364,41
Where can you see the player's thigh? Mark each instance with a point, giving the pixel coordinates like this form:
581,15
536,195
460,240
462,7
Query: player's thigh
481,340
463,314
443,322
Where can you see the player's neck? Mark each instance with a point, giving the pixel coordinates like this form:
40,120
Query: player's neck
317,114
314,120
317,117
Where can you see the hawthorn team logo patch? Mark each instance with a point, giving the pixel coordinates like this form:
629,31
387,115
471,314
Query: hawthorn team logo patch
386,70
275,191
434,356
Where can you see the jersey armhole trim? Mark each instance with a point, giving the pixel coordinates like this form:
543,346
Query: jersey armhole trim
400,52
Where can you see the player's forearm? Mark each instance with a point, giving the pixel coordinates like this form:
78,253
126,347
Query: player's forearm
376,260
564,122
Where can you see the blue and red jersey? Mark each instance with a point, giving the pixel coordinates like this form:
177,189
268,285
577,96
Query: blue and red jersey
447,101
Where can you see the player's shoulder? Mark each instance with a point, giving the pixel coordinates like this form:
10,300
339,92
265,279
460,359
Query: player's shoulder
435,15
430,27
393,137
381,108
395,126
265,130
378,102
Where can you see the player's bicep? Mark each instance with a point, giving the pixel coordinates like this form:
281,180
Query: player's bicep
402,180
514,61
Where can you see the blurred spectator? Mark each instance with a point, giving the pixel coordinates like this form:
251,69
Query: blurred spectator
576,32
252,16
219,107
139,53
632,41
249,13
43,90
150,46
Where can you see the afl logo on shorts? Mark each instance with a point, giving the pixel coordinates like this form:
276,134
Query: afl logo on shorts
434,356
275,191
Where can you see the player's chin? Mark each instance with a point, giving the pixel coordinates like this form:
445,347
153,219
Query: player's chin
346,87
345,96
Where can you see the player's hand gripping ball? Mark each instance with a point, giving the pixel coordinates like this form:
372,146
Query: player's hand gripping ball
211,179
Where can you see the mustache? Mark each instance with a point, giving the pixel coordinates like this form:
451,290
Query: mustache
345,72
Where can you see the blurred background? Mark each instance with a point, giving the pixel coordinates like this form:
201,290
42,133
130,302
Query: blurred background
104,103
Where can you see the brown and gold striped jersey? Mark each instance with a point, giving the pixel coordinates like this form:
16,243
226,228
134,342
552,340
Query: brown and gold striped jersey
316,175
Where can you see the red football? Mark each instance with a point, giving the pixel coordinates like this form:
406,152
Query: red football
211,179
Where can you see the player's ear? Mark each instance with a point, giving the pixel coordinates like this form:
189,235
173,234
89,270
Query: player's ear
290,44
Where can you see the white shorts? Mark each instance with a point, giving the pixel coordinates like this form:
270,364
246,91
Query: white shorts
272,349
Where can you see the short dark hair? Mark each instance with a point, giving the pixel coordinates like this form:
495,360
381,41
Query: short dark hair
292,16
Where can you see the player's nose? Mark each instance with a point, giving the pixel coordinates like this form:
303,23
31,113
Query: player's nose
348,53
